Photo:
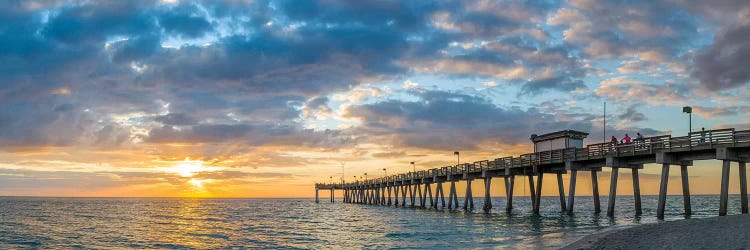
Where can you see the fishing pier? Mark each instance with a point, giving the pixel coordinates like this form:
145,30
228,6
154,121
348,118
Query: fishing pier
557,154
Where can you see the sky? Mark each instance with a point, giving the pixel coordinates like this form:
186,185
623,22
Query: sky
245,98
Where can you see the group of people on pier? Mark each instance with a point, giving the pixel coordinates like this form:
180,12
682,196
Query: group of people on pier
627,140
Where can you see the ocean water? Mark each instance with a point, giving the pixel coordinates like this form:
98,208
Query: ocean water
301,223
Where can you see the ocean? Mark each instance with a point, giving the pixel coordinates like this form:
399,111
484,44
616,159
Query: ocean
35,222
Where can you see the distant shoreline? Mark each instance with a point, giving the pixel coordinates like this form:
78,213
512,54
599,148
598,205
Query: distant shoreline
726,232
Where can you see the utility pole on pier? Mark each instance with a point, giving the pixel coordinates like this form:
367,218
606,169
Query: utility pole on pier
458,157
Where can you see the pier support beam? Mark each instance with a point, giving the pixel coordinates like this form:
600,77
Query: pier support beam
451,192
332,193
509,181
612,192
395,195
412,196
428,189
743,187
636,191
316,196
468,197
389,196
595,189
572,191
439,193
663,191
561,190
487,199
724,198
419,192
532,192
403,194
685,190
538,196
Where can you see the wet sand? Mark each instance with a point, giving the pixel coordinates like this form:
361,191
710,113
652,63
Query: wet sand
728,232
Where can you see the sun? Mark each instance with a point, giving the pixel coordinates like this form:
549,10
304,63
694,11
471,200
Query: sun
188,168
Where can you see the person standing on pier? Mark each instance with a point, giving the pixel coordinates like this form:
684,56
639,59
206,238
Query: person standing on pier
613,142
626,139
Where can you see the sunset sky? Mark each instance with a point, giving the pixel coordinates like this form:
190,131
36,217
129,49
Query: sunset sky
244,98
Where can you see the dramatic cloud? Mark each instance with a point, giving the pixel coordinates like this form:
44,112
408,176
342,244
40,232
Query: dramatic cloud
123,90
723,64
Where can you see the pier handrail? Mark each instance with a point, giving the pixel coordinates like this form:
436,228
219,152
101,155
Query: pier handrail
704,139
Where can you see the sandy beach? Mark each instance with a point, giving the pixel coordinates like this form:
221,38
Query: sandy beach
730,232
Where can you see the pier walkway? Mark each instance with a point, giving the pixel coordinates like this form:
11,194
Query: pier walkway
726,145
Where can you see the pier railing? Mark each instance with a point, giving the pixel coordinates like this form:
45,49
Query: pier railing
699,140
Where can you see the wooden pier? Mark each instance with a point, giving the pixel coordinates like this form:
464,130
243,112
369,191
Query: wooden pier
726,145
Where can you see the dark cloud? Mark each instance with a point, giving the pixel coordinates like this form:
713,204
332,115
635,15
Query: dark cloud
452,120
723,64
631,114
185,21
176,119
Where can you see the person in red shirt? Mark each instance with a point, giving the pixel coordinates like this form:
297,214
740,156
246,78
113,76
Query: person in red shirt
626,138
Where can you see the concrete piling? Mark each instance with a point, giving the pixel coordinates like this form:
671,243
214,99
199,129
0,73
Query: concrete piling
685,189
612,192
595,190
538,195
743,188
487,199
636,192
724,196
509,183
663,191
572,191
561,190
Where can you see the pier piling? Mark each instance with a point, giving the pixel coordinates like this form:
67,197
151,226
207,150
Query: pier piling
663,191
487,199
724,196
538,195
572,191
595,190
636,191
612,192
532,191
685,189
509,181
743,187
468,197
561,190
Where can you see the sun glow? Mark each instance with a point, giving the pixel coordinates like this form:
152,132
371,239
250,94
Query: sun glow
188,168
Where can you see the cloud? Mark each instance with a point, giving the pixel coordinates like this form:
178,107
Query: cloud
623,89
452,120
722,65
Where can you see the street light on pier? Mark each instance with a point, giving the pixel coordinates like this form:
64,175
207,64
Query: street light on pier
413,167
458,157
385,172
689,111
365,176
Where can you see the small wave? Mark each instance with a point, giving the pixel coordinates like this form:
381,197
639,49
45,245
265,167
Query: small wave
216,236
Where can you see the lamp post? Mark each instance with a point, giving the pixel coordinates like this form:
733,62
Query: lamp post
365,176
385,172
413,167
458,157
342,173
689,111
330,178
